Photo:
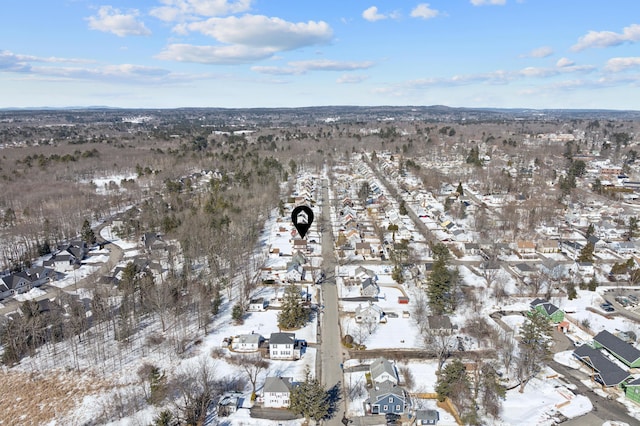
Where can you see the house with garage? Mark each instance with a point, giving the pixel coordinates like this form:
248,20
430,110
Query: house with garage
382,370
276,392
617,347
247,342
603,370
548,309
13,284
387,398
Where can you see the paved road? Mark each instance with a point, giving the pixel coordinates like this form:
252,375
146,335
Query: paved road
331,356
604,409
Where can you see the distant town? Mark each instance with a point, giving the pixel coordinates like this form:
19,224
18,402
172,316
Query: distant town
461,266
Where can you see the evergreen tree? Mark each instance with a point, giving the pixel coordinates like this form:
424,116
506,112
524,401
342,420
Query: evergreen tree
633,227
403,208
586,254
310,399
237,313
535,346
590,230
459,189
453,380
293,314
87,234
442,282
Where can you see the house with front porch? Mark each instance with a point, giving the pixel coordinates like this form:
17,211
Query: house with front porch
387,398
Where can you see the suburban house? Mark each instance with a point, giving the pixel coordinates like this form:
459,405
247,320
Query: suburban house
284,346
68,256
382,370
369,288
440,324
526,249
548,309
426,417
153,241
603,370
617,347
524,269
369,314
13,284
247,342
387,398
363,273
632,390
258,304
548,246
23,281
585,268
277,391
229,403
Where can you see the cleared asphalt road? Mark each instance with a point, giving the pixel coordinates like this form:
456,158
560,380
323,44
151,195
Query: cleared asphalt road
330,347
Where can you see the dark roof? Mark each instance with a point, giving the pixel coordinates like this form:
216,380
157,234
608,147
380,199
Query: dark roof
427,415
282,338
608,372
439,322
548,307
635,382
623,350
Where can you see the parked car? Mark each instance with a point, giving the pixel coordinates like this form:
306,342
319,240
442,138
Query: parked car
607,307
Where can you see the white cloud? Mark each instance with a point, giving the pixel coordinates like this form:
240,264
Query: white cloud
351,79
302,67
621,64
258,31
540,52
271,70
176,10
10,61
488,2
111,20
372,15
235,54
564,62
607,38
424,11
329,65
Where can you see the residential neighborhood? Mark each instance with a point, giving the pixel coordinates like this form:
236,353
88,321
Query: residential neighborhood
462,286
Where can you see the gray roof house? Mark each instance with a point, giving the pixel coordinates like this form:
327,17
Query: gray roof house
618,348
605,371
426,417
283,346
276,392
369,288
247,342
382,370
387,398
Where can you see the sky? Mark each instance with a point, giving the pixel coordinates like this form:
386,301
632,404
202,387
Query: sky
287,53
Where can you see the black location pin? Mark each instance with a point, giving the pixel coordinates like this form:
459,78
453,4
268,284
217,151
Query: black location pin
302,217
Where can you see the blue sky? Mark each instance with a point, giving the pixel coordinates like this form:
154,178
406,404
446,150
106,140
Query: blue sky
288,53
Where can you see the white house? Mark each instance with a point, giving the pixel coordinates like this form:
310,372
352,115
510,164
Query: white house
369,314
383,370
247,342
283,346
277,392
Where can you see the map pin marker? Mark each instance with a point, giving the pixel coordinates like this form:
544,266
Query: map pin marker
302,217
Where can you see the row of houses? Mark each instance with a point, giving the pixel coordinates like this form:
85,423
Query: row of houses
609,359
280,346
